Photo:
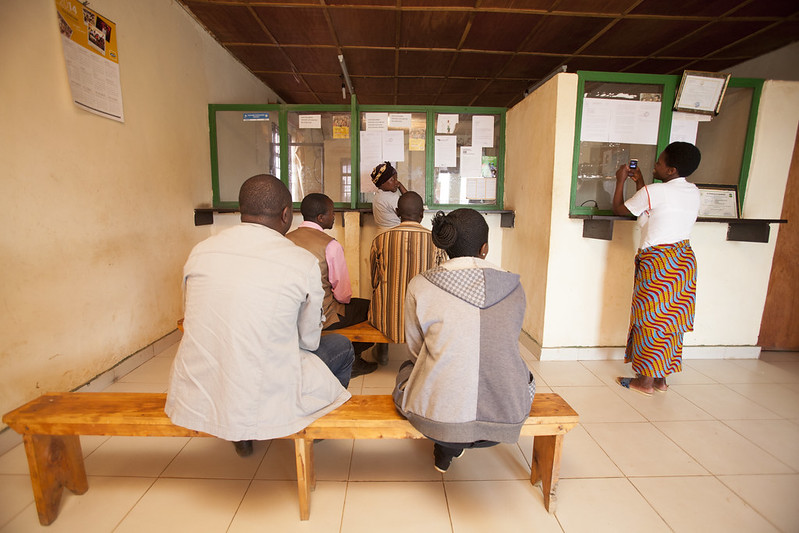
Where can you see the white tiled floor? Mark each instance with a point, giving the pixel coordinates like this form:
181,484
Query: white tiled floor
718,452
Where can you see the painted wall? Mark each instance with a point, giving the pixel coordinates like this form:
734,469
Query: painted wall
589,282
782,64
530,161
98,215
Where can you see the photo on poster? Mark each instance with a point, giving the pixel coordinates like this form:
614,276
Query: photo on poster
489,166
63,27
97,40
88,17
446,123
104,28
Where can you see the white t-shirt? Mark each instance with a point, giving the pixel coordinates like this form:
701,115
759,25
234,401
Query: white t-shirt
383,208
666,211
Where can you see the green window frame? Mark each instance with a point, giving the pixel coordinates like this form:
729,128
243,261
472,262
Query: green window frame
355,110
669,84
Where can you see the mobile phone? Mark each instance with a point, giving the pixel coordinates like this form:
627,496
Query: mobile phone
633,164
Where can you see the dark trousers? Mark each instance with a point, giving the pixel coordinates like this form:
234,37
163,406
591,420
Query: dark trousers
355,312
454,449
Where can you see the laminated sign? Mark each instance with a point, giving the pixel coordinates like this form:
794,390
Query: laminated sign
90,51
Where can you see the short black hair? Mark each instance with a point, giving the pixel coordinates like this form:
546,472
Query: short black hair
461,233
313,205
410,204
263,195
685,157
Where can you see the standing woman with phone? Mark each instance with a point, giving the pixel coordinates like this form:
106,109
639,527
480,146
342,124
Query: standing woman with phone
664,293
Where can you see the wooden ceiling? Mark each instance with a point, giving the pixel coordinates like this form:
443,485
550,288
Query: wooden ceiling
482,52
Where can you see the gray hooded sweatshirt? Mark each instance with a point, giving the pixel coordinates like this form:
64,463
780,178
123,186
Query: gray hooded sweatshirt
465,380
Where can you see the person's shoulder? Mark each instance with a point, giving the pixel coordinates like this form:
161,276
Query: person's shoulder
301,257
227,237
419,280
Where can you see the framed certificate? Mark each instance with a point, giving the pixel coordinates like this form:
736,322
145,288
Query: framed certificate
701,92
718,201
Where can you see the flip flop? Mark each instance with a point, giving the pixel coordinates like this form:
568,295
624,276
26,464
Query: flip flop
625,382
666,388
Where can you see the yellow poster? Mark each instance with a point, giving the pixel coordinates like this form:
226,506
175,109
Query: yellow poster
90,51
341,126
416,139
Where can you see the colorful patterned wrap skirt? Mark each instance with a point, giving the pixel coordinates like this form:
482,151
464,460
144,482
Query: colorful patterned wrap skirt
664,298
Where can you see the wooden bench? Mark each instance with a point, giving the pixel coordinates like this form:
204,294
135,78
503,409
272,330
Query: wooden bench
51,426
362,332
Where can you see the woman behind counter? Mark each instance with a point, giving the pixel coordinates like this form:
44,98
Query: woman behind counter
664,292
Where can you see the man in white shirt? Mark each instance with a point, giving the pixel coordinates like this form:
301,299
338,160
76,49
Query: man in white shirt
251,364
664,293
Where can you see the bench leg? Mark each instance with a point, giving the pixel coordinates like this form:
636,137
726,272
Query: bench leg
54,462
306,474
546,467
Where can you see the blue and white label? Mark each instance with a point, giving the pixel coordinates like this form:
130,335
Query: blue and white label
255,116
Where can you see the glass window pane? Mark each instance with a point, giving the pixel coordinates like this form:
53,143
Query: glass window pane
723,139
620,122
319,154
410,164
465,168
245,148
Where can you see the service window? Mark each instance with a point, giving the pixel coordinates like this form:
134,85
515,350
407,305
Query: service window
319,154
399,137
467,158
726,139
451,156
630,116
618,121
244,142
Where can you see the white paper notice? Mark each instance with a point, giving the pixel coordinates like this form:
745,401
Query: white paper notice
482,131
394,145
684,127
371,156
376,121
399,120
446,153
94,81
446,123
620,121
471,162
481,189
311,122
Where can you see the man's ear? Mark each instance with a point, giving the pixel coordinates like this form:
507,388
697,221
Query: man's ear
287,216
672,171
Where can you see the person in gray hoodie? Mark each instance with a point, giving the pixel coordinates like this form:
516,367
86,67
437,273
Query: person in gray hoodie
465,384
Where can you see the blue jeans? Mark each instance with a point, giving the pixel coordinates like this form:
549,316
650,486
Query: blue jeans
336,352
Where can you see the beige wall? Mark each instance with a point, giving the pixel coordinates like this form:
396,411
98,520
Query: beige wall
531,139
98,215
589,282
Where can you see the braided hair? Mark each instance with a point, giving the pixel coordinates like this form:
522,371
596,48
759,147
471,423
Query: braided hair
461,233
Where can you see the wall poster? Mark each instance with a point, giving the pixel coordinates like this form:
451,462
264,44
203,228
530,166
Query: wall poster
90,51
